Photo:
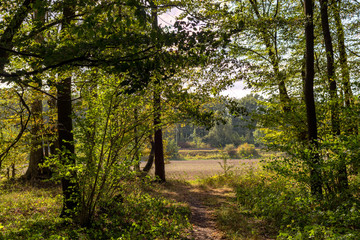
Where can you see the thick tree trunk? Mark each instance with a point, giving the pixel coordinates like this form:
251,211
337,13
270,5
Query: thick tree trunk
315,172
343,183
66,139
67,148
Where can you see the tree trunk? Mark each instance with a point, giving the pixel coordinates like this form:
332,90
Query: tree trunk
66,138
315,173
345,73
136,143
158,140
150,161
343,183
334,106
283,95
34,172
67,148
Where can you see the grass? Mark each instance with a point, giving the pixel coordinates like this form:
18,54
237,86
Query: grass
248,202
28,212
207,154
266,206
196,154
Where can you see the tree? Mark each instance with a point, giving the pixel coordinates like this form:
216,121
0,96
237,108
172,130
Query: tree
314,161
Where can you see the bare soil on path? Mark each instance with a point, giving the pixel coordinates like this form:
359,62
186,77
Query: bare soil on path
201,203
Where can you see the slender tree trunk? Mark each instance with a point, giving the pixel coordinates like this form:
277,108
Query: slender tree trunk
334,106
136,143
334,101
158,139
36,153
52,135
34,172
66,138
345,73
150,161
284,97
315,173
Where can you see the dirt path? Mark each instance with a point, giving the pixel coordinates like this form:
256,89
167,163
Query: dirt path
202,204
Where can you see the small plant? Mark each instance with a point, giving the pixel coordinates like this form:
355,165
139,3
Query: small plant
224,165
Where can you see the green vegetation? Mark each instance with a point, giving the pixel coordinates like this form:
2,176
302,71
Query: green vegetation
33,213
267,204
92,88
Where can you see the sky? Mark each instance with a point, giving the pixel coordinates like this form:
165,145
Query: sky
237,90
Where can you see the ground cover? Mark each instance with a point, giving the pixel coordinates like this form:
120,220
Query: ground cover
31,212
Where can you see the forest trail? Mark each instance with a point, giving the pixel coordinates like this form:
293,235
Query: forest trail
202,203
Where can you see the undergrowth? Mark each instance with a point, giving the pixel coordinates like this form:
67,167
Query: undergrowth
269,206
32,213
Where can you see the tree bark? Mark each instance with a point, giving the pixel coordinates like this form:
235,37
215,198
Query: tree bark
158,139
67,148
150,161
284,97
342,175
34,172
334,106
315,172
345,73
66,138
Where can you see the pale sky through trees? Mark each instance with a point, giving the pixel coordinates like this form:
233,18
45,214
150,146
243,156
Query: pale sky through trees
237,90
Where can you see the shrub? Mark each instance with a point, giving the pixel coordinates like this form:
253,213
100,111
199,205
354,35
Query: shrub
230,150
247,150
172,149
289,210
186,144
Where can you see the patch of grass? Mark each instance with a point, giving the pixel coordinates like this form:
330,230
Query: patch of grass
207,154
196,154
32,213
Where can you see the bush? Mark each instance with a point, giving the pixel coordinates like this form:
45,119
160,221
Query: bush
247,150
186,144
172,149
291,212
230,150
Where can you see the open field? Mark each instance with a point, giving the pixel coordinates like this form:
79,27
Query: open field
191,170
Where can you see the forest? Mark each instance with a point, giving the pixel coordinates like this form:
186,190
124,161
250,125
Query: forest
113,113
